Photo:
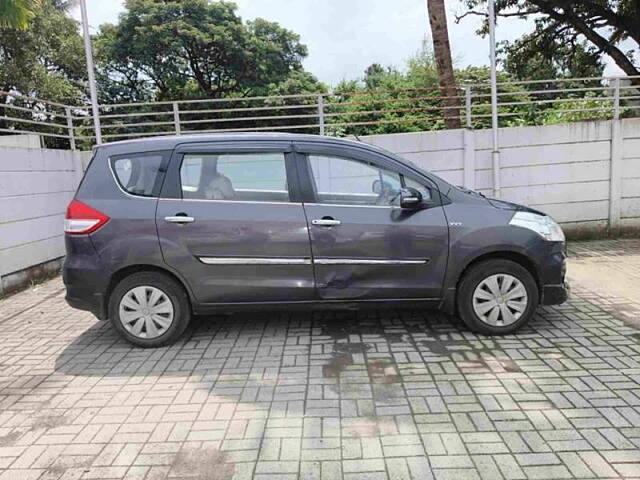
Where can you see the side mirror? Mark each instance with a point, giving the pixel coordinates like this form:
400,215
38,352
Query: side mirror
410,198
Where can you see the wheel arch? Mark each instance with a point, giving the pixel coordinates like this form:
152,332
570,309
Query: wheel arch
124,272
450,294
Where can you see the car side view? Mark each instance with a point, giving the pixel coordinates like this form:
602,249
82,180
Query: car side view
165,228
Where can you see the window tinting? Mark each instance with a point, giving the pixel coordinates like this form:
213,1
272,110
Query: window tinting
258,177
138,174
343,181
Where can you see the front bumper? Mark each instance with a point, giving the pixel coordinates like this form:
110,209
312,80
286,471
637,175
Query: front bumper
553,269
555,294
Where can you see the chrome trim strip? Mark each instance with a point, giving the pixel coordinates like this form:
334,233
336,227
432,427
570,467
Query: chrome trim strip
254,261
352,205
357,261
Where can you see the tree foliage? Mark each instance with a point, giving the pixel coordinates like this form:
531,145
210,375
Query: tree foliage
540,57
45,61
610,27
201,49
178,49
17,13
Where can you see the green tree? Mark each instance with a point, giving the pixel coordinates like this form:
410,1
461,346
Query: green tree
374,75
193,49
611,27
17,13
46,61
389,100
538,57
421,67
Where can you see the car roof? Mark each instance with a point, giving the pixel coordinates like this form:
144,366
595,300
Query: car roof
171,141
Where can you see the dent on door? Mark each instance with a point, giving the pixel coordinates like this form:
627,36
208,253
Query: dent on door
377,253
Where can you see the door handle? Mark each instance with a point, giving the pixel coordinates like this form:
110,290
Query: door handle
325,222
179,219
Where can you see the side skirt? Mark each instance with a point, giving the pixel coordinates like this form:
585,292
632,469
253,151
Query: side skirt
385,304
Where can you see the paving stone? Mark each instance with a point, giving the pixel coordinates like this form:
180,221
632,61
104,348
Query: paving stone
327,395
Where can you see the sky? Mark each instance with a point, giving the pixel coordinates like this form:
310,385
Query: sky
346,36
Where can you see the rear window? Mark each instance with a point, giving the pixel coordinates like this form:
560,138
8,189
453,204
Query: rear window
138,174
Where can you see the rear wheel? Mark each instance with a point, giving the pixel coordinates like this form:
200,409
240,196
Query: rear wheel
149,309
497,297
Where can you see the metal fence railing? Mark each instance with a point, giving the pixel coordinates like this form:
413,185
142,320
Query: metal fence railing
337,113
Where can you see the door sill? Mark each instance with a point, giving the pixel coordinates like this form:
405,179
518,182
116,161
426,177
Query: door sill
385,303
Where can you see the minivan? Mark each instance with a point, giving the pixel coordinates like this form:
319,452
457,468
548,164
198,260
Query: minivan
165,228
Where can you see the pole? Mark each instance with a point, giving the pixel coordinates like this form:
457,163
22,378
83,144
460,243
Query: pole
467,105
92,78
321,114
72,136
176,118
616,98
495,155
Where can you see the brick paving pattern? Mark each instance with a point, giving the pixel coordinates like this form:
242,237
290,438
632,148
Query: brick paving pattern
370,395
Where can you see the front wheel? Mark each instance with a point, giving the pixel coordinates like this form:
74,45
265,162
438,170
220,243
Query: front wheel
497,297
149,309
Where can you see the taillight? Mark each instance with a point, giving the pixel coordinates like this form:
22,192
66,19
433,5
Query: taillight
82,219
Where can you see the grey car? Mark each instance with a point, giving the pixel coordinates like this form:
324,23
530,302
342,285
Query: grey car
165,228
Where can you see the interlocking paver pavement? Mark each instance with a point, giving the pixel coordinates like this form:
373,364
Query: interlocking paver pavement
372,395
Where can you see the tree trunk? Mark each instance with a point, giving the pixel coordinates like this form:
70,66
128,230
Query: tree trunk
442,51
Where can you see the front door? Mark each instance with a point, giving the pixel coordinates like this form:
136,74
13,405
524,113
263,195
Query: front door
364,245
231,223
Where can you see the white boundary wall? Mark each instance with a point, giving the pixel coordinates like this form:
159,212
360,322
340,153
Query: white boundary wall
587,175
563,170
35,187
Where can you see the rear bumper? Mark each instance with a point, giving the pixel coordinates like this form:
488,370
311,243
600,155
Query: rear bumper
84,300
84,277
555,294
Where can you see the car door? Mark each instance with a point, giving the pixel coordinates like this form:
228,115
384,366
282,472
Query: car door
364,245
231,223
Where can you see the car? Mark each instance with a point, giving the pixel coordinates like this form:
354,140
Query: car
161,229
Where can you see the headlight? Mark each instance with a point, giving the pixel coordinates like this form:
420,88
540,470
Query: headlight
543,225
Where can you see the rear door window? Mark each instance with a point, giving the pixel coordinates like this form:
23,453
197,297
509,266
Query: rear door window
138,174
257,177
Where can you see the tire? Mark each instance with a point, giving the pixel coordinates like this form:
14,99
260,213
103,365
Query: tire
508,285
170,301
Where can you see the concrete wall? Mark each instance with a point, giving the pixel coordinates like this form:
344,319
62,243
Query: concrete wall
563,170
23,141
630,174
35,187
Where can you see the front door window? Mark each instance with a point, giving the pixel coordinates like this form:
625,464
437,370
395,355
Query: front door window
341,181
